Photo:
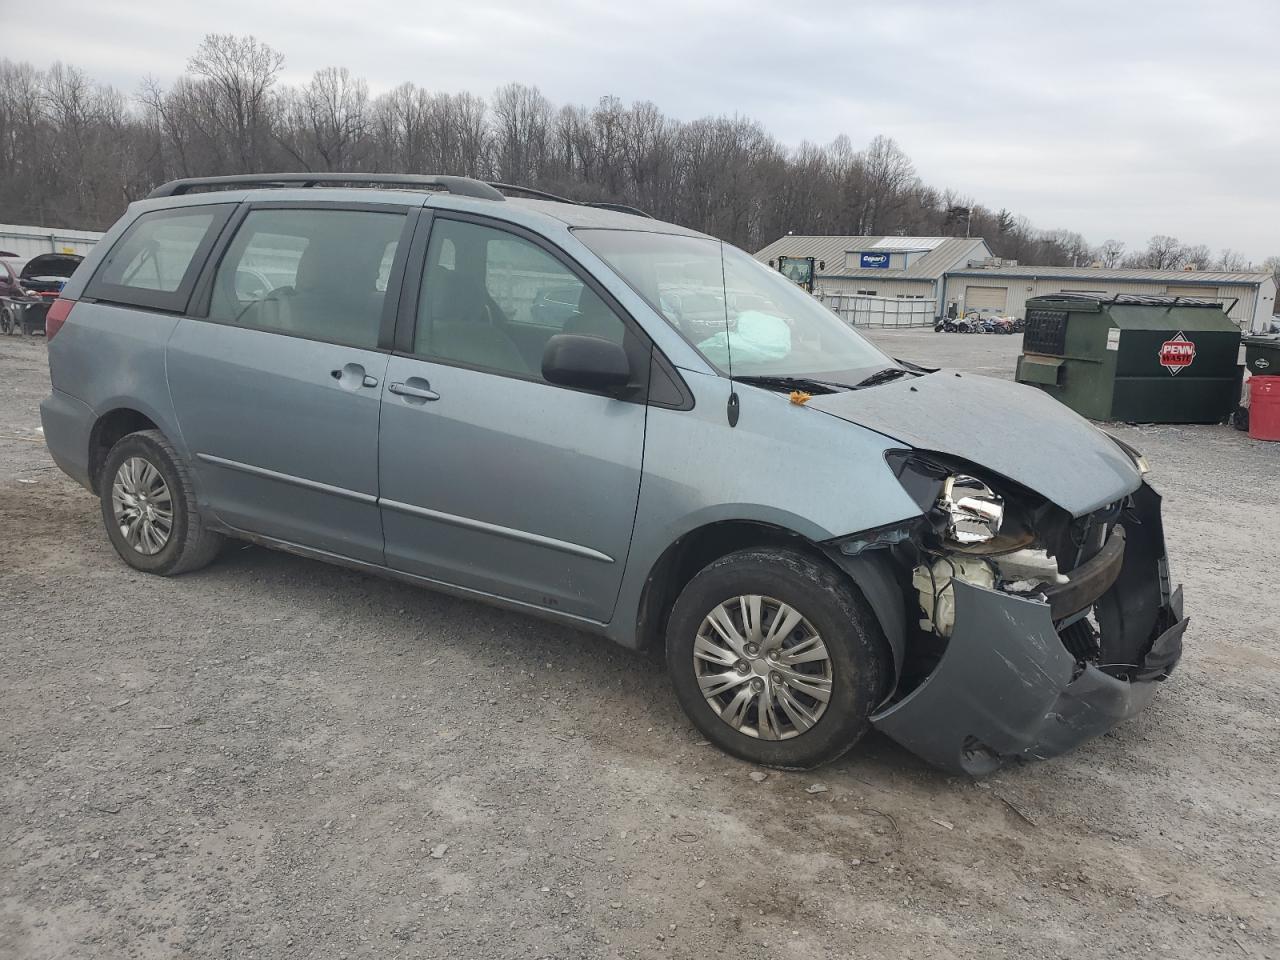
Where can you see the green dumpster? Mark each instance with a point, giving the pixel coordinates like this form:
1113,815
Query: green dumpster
1135,358
1262,354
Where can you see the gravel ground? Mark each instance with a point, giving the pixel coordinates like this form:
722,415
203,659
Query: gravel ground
277,758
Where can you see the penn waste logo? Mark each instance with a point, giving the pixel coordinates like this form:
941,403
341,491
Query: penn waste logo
1177,353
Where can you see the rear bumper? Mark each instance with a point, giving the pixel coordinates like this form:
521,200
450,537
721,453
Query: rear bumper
67,423
1007,687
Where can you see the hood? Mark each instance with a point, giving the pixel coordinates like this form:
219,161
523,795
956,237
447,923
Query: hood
51,266
1018,432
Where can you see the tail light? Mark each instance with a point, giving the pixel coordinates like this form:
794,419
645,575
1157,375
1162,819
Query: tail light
59,310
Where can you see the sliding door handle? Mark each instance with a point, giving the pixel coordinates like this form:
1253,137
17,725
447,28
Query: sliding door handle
413,392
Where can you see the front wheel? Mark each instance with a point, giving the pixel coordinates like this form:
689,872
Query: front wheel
149,507
776,658
7,321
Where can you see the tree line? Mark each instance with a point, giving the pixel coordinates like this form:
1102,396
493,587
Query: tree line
74,152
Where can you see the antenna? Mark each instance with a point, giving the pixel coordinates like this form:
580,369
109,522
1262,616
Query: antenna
733,408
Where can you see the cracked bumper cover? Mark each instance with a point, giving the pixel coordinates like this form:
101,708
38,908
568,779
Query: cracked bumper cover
1008,688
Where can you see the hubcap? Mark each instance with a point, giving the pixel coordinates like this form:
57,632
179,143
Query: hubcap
762,667
142,506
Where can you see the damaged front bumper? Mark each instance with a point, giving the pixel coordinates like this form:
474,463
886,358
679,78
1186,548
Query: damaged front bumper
1007,687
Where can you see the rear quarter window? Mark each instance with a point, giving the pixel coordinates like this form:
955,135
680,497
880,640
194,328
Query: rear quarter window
156,261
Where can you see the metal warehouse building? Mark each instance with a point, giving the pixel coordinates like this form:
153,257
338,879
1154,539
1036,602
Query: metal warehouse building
1004,291
879,266
910,280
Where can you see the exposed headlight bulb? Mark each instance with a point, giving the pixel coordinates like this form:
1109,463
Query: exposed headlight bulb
974,511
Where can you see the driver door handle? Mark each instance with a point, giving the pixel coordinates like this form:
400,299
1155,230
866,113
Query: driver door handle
416,393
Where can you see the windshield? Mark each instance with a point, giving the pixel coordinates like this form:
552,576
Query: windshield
733,308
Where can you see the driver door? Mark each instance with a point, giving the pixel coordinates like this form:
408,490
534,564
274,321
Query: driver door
493,479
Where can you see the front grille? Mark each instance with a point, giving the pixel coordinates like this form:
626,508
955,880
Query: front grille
1081,640
1046,332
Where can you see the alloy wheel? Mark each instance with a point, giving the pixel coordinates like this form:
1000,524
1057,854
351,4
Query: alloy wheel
762,667
142,505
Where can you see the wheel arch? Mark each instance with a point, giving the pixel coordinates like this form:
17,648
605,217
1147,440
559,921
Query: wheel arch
108,430
872,573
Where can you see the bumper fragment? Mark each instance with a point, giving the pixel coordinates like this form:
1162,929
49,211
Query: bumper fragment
1008,688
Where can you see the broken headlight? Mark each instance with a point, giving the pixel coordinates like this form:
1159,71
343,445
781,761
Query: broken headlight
973,511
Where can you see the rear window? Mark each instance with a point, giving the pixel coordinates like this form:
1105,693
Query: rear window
156,261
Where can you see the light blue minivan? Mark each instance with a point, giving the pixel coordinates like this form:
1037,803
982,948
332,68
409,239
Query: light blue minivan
579,412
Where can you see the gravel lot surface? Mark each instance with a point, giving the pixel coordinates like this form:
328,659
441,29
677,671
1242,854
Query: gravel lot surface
277,758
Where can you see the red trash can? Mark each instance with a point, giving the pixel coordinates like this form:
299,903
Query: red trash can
1264,408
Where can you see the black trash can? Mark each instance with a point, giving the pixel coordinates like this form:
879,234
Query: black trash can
1262,354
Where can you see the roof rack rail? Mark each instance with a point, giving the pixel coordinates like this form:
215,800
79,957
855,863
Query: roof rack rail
544,195
620,208
461,186
531,192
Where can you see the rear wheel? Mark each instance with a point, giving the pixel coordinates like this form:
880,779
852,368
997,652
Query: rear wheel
149,507
776,658
7,320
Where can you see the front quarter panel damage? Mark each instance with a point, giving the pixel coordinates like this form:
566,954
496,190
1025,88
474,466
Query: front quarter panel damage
1007,687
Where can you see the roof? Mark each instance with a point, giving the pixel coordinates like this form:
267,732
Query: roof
600,218
943,253
1132,276
1131,300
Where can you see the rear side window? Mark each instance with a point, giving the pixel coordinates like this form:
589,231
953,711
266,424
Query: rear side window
156,262
319,274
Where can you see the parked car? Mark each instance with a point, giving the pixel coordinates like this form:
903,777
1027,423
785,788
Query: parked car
822,539
25,296
47,273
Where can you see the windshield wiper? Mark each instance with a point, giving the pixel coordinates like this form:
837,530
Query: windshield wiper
883,376
807,384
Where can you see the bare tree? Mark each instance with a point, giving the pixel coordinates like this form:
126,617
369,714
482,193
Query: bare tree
73,152
238,73
521,132
1162,253
326,122
888,173
1110,253
1233,261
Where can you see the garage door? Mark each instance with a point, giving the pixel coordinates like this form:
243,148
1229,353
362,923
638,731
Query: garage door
1186,290
986,298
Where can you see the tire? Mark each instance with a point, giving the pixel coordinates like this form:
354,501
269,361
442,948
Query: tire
188,545
7,321
855,668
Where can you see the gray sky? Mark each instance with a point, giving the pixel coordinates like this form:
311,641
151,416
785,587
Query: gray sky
1120,119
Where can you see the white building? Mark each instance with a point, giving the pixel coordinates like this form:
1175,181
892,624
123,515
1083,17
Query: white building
886,267
863,278
1250,298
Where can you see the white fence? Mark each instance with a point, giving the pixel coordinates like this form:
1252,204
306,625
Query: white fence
26,242
864,311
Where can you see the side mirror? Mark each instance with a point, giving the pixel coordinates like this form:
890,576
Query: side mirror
587,363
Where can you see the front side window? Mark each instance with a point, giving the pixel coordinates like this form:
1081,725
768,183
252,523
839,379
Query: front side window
733,309
157,251
319,274
491,299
